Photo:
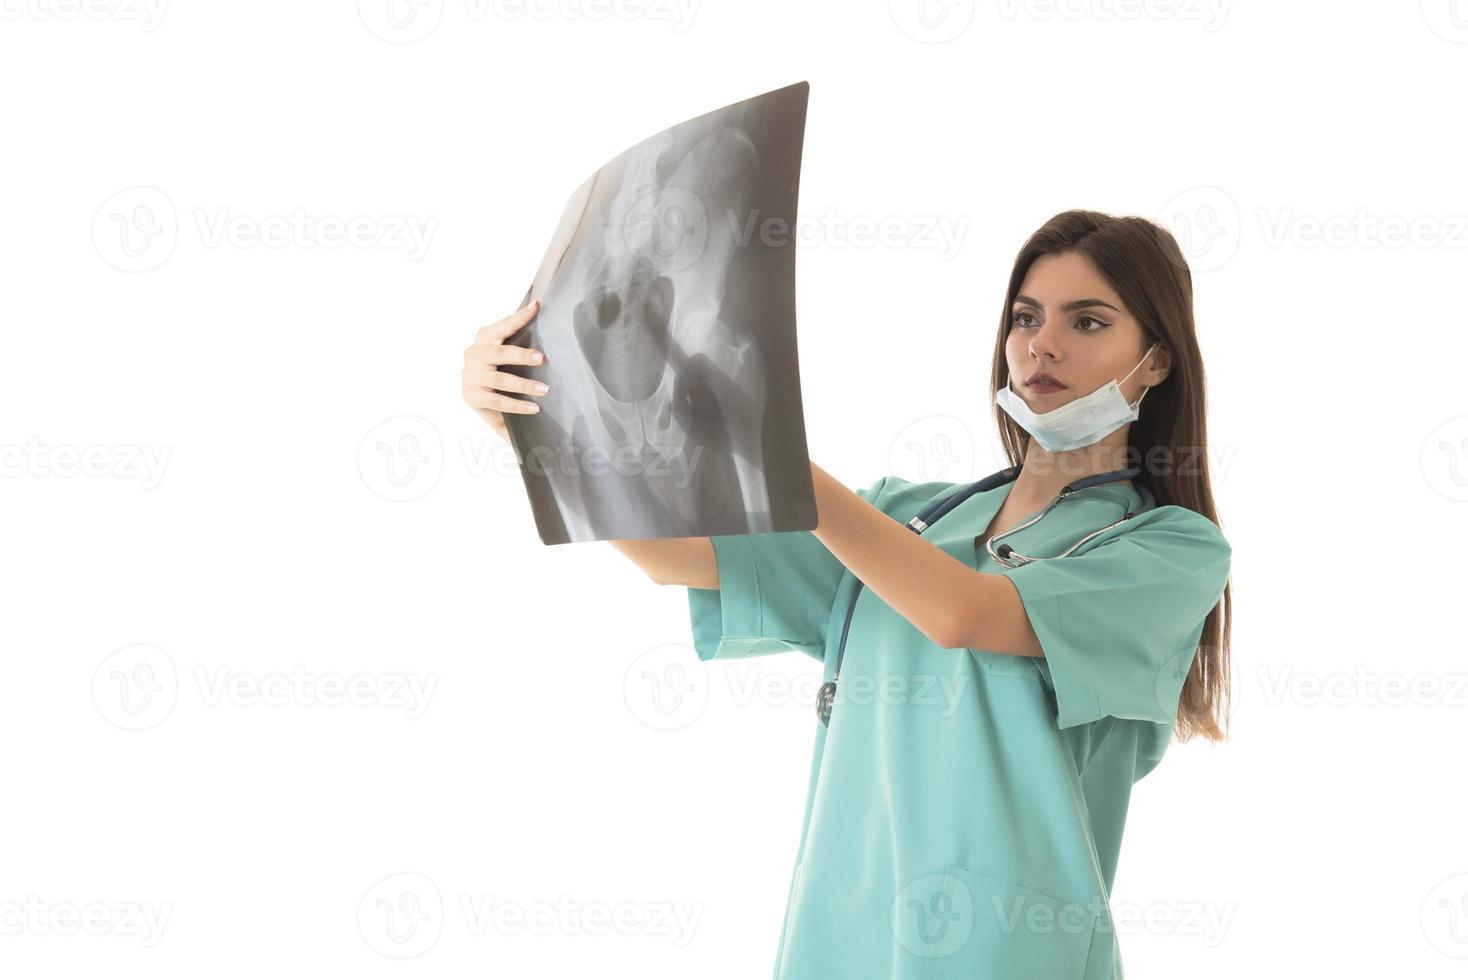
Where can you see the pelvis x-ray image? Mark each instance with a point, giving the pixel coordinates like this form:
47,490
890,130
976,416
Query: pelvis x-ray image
667,320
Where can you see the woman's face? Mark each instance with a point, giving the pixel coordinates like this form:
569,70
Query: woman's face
1069,324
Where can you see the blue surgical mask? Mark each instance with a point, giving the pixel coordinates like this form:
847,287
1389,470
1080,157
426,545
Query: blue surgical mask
1080,421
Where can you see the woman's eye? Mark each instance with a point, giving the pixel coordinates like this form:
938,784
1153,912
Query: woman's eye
1090,319
1019,319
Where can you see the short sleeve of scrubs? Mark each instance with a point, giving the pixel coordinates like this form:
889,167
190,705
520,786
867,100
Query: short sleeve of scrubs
775,594
1120,623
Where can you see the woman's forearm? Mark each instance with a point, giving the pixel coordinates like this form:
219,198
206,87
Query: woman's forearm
940,595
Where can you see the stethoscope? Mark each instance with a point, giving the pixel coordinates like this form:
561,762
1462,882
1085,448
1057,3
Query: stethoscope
1004,554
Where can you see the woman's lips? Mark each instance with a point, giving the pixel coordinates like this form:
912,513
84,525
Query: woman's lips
1043,387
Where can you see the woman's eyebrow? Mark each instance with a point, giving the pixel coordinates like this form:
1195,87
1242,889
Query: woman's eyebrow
1078,304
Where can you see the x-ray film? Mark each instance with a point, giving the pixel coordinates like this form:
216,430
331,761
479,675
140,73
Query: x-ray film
667,320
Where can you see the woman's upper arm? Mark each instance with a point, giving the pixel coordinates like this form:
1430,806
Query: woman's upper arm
770,592
674,561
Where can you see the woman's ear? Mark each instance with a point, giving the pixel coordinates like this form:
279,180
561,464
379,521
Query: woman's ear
1159,368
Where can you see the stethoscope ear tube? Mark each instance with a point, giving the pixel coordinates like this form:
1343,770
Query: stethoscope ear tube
935,512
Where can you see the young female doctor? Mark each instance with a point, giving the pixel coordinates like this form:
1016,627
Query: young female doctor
1003,670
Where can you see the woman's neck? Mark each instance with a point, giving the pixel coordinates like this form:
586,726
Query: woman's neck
1044,472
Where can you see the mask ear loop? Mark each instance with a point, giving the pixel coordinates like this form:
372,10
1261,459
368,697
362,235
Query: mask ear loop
1137,407
1145,388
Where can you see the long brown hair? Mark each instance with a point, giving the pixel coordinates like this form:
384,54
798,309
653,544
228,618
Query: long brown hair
1142,262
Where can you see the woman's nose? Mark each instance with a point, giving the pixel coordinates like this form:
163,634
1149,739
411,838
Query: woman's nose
1042,344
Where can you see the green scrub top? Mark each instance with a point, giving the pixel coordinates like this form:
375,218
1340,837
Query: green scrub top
965,807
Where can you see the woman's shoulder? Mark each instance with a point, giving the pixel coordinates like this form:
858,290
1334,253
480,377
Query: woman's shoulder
1181,526
901,497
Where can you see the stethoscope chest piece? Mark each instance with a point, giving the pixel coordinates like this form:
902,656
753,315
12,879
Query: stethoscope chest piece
825,698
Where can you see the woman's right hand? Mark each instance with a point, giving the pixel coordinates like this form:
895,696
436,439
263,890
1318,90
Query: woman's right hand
484,383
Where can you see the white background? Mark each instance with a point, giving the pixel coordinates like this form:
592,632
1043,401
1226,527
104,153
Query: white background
320,505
